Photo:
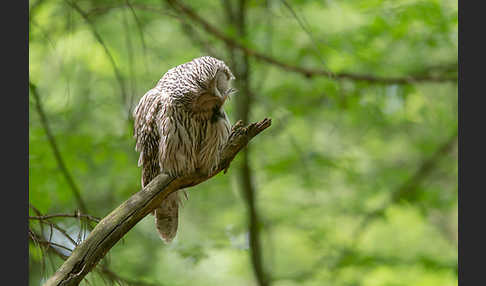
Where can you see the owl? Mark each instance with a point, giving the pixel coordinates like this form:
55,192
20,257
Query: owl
180,128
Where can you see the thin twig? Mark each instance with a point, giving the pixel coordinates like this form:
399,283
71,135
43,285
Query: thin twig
102,269
75,215
37,239
45,219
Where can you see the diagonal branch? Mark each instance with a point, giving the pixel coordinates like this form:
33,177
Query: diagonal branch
116,224
307,72
55,149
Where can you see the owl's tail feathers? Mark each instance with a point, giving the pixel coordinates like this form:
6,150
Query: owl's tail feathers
167,217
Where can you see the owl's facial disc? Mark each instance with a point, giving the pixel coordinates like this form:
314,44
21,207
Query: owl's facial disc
206,101
215,95
222,85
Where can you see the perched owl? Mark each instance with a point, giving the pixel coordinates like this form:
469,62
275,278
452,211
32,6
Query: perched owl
181,127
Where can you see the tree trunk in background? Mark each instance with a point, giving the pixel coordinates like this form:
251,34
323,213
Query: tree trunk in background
240,66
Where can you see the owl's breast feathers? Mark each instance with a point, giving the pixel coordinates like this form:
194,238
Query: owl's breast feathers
183,116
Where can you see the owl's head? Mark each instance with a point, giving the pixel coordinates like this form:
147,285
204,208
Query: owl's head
214,82
220,85
201,84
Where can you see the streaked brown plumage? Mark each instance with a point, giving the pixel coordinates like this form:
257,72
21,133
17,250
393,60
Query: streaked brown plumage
180,127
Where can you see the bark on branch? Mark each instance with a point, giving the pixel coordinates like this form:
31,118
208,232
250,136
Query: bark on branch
115,225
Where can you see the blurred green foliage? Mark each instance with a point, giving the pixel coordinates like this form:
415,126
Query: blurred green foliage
337,152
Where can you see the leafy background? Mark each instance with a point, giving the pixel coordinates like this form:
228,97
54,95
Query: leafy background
355,183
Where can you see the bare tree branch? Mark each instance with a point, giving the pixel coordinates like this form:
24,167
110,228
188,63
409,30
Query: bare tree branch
37,239
116,224
55,149
307,72
45,219
74,215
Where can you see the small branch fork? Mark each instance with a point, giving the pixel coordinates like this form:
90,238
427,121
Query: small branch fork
116,224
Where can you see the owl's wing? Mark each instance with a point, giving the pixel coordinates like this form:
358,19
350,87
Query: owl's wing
146,134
